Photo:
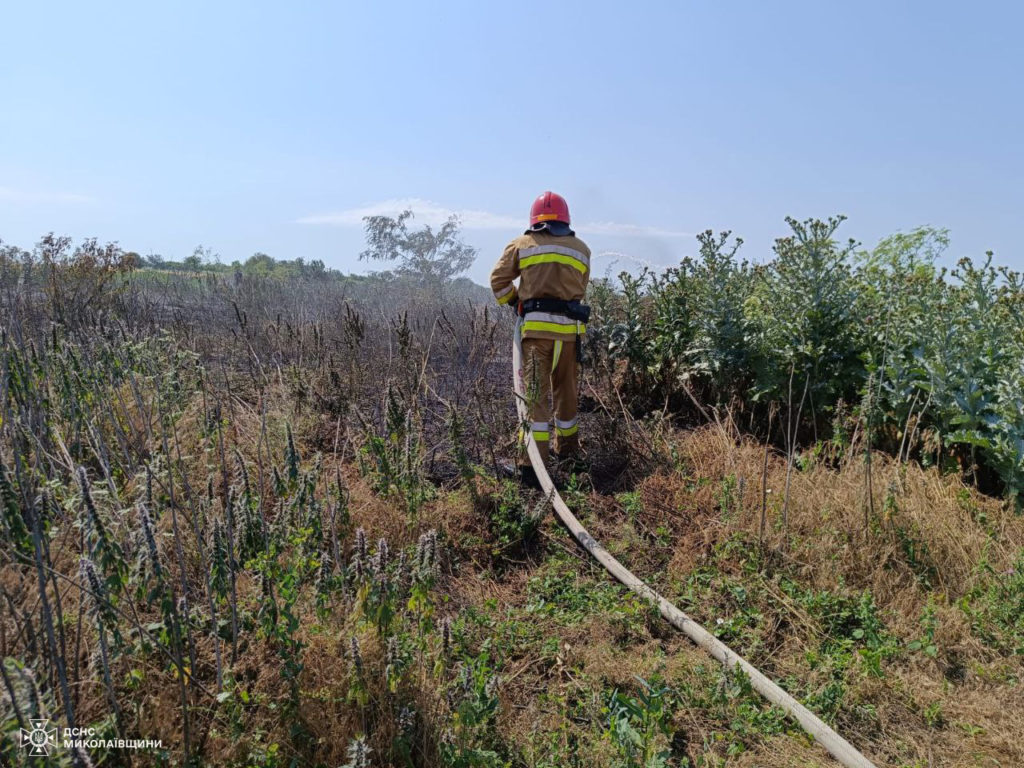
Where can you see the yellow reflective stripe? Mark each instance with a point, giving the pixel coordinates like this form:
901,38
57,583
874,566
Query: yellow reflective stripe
569,431
535,250
539,325
553,258
558,354
504,296
546,217
539,430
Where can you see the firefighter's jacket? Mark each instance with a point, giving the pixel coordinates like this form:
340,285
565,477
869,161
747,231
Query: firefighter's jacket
548,267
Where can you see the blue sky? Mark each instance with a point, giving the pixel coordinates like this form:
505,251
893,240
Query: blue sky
253,126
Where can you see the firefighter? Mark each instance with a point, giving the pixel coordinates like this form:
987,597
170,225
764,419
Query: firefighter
553,267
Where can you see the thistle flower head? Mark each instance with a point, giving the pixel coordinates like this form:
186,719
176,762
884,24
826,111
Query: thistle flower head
83,481
406,720
358,753
90,576
392,651
359,556
361,548
90,505
146,523
219,540
356,656
426,556
28,681
357,569
380,559
401,567
323,574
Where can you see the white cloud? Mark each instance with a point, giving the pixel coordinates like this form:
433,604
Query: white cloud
11,195
431,213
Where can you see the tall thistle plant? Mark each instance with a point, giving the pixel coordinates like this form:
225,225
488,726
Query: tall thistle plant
629,336
899,289
1005,444
671,298
806,312
719,352
973,370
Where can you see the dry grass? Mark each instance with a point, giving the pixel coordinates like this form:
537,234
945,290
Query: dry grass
827,546
962,708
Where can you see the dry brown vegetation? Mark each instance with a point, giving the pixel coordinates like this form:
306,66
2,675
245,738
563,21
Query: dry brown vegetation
959,705
266,428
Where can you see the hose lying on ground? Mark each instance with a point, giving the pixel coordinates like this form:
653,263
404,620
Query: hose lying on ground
835,744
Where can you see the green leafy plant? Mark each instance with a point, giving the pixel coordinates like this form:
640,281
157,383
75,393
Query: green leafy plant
640,727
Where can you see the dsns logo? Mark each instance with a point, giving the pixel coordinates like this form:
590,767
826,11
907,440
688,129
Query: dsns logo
39,738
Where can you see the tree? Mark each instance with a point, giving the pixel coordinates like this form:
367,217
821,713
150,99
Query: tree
200,257
259,264
434,257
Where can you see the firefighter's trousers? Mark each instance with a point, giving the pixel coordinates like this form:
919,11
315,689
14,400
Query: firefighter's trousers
549,372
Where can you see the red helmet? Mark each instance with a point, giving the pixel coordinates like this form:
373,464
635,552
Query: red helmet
549,207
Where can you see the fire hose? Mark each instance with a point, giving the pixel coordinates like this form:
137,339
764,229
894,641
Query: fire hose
833,743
